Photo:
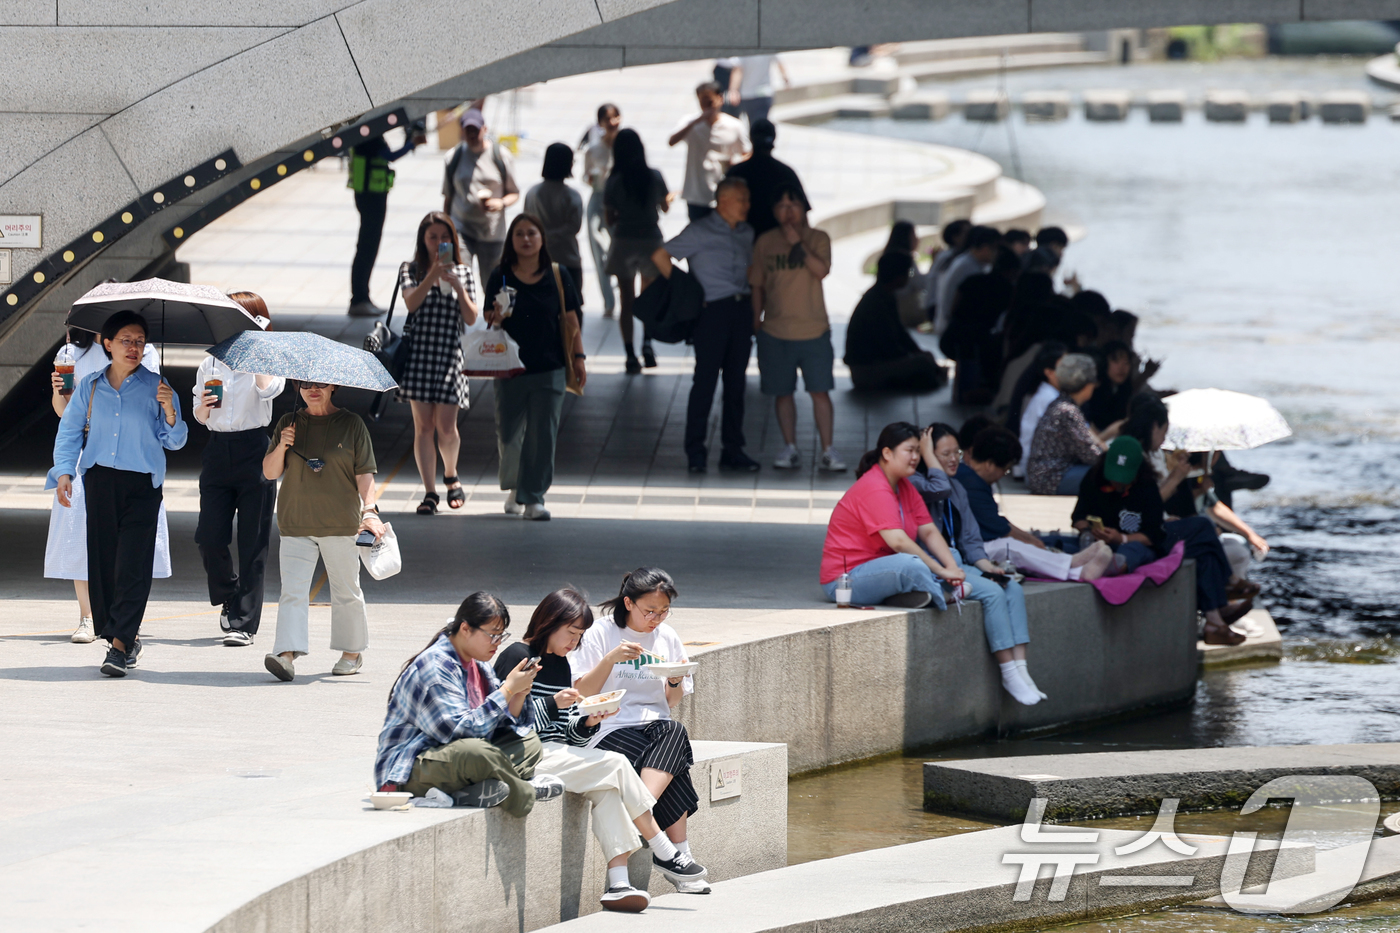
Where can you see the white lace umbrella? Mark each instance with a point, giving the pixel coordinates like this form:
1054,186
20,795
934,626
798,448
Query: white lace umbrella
1217,419
175,312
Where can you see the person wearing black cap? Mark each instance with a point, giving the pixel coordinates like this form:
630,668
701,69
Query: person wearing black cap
560,209
765,175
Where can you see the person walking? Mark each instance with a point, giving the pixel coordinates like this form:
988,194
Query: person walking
751,85
789,316
560,209
327,498
765,175
236,408
477,188
597,166
713,141
437,290
719,247
65,552
370,179
528,405
633,198
122,465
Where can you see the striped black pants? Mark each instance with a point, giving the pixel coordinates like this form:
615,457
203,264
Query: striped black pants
665,746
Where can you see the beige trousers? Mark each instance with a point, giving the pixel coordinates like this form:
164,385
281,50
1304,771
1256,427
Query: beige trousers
611,785
349,622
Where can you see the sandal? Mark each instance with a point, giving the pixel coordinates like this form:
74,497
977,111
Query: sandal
429,505
456,495
1220,635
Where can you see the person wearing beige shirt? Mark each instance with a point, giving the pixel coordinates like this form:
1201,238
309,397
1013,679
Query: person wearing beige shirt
789,314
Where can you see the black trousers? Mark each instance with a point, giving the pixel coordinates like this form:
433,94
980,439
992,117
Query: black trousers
723,337
231,482
123,513
372,208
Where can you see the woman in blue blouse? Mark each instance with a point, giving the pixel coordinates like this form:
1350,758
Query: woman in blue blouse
114,434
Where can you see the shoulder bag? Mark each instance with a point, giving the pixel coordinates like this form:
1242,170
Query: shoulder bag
389,348
568,330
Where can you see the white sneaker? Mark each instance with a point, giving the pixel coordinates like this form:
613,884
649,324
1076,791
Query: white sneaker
789,459
698,886
513,507
625,899
347,666
536,512
831,462
237,638
82,635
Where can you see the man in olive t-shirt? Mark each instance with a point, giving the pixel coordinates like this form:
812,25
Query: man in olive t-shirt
789,314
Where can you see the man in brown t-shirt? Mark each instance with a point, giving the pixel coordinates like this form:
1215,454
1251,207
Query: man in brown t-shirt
789,315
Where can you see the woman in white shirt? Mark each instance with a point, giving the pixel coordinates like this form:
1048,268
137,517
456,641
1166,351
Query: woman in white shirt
632,633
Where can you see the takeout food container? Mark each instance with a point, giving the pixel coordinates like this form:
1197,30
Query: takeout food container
602,702
671,670
388,799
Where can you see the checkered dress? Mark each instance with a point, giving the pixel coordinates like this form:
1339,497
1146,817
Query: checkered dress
434,369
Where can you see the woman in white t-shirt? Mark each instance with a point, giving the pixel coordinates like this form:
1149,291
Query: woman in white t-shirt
632,632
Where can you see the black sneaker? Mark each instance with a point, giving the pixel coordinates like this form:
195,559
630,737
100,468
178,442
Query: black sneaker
487,793
134,654
115,663
625,899
225,616
547,787
680,869
697,464
648,356
918,599
739,461
634,366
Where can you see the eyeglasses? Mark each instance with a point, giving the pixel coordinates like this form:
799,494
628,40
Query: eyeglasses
315,463
138,343
497,638
650,614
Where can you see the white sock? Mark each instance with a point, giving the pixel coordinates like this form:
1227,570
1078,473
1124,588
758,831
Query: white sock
789,450
617,877
1026,676
662,847
683,846
1020,691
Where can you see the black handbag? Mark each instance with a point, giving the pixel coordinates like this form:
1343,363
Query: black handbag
389,348
669,307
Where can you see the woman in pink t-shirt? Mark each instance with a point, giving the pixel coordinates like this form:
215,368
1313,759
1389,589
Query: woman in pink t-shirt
876,528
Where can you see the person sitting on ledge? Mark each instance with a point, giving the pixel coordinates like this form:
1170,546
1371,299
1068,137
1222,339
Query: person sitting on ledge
452,726
619,799
993,452
876,530
1003,601
611,657
1119,504
881,354
1064,446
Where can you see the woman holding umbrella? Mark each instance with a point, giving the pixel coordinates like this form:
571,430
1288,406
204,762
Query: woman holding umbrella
327,498
122,464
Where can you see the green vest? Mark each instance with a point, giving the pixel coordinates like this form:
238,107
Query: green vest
371,175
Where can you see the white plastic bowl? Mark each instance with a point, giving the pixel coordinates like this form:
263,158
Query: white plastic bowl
671,670
602,702
388,799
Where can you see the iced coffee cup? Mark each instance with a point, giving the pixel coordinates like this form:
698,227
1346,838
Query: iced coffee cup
216,386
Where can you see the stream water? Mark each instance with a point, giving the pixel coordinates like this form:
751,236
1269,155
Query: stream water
1259,258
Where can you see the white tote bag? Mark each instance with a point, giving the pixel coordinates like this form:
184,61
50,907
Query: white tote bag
490,353
383,560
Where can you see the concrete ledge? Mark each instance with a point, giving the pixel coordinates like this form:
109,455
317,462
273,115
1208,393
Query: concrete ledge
1166,106
920,105
953,884
1287,106
843,107
1107,105
1385,70
1112,783
303,851
1227,106
1045,105
1344,107
865,683
1265,647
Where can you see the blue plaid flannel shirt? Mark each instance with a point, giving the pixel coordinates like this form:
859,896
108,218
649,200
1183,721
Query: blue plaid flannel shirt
428,707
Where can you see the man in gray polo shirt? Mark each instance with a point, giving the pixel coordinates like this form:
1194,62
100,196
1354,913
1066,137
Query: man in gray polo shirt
719,249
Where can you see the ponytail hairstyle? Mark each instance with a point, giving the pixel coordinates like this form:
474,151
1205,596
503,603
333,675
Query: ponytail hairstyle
477,610
559,609
891,437
638,583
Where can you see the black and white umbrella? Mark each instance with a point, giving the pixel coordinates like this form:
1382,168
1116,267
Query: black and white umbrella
175,312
